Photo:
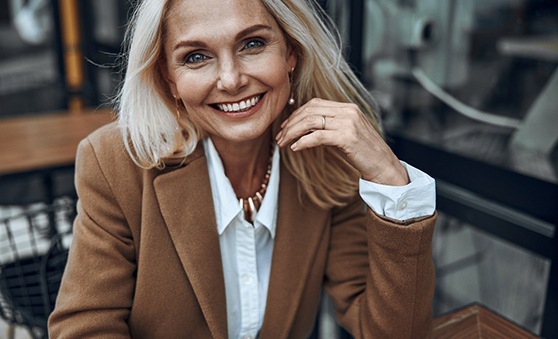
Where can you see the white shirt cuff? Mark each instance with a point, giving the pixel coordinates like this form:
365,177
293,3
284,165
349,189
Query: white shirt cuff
414,200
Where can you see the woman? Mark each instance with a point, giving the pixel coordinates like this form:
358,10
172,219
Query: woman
227,195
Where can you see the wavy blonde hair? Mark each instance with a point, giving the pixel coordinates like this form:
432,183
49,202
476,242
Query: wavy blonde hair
152,133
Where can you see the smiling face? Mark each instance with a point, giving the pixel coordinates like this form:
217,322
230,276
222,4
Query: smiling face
228,61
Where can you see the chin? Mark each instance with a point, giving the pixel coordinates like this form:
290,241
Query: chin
246,134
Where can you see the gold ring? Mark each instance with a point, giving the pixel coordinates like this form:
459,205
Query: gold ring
323,121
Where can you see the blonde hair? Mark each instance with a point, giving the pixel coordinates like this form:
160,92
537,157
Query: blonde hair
152,133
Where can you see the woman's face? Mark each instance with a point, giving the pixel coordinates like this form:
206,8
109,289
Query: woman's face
228,61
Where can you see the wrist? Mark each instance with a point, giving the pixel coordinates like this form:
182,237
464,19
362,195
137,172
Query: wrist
391,176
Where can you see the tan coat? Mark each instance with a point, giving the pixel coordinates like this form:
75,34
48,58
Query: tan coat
145,260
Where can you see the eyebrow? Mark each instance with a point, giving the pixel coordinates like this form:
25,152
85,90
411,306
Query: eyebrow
240,35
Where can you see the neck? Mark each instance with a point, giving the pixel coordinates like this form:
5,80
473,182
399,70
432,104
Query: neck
245,162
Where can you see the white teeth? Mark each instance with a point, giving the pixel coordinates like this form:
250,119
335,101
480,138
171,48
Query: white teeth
239,106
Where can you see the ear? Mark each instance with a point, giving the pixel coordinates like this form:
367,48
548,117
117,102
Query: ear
292,57
166,77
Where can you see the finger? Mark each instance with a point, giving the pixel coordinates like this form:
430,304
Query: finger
310,106
317,138
307,125
344,117
323,107
310,116
299,127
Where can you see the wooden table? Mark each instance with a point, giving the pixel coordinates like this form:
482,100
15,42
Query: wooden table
476,321
43,142
38,152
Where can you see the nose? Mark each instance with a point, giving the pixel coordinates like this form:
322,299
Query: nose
231,78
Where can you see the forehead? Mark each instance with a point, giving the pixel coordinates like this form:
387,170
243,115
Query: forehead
201,18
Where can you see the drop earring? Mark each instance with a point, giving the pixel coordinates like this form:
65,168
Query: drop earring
291,100
176,105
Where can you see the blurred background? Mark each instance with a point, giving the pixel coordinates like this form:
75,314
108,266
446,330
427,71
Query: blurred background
468,91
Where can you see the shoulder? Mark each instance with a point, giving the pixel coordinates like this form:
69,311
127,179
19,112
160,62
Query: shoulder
102,156
105,142
105,151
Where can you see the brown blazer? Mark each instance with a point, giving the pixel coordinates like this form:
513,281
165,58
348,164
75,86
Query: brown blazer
145,260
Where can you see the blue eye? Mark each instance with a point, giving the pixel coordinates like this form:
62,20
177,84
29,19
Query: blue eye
254,43
195,58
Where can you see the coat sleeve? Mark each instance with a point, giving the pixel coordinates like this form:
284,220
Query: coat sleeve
97,288
380,273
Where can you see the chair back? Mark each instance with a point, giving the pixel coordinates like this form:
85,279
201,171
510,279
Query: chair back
33,253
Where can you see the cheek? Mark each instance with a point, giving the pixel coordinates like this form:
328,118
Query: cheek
193,89
277,79
271,69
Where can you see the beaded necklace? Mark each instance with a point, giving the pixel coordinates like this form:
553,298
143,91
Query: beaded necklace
252,204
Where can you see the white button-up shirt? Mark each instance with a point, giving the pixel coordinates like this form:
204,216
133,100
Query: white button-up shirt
246,249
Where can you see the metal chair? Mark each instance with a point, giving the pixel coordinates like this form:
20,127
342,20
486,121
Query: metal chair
33,254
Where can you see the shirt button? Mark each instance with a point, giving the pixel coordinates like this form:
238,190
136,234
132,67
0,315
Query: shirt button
247,280
403,205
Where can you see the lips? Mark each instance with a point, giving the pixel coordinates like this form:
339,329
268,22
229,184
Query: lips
240,106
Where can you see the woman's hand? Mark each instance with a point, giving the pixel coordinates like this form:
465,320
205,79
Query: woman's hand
342,125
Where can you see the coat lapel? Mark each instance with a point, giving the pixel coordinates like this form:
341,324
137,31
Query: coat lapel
186,205
298,235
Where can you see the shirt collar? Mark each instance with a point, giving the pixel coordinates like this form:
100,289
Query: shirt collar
267,214
227,207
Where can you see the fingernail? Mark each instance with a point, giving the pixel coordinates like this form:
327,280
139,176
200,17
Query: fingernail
284,123
278,135
294,146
